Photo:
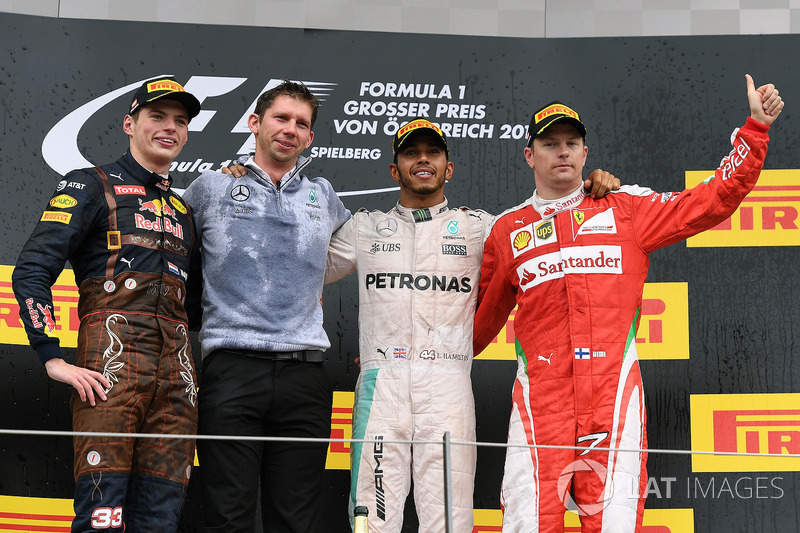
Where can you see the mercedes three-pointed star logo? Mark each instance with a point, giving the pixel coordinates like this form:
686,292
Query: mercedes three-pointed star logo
240,193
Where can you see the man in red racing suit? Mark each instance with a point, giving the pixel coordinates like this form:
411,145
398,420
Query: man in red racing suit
567,263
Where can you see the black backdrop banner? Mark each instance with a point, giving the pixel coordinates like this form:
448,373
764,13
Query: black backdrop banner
656,109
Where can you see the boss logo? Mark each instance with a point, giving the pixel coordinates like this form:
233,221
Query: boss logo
454,249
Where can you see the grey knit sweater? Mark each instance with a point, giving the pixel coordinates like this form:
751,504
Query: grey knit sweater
263,257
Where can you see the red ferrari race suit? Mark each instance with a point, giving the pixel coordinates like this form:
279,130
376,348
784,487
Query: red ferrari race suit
576,268
129,240
417,284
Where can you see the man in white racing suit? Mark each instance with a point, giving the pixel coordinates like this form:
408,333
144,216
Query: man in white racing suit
418,268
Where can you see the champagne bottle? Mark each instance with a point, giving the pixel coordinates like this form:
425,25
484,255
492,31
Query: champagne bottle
360,522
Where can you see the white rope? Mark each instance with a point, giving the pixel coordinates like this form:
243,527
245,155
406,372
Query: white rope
53,433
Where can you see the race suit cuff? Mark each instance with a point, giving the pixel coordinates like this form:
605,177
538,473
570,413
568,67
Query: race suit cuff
753,124
48,350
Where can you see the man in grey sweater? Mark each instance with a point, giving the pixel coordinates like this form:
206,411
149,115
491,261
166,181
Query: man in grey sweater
264,239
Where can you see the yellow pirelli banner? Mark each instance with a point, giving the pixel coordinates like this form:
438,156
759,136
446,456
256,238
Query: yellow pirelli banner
54,515
768,216
746,423
341,428
65,312
654,521
663,327
48,515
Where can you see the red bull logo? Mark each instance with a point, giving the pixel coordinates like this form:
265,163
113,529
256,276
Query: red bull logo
154,206
157,207
33,313
47,317
159,224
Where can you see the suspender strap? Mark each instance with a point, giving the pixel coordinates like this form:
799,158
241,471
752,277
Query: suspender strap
113,235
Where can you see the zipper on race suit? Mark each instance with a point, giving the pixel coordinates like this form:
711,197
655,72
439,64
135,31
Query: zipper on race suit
280,204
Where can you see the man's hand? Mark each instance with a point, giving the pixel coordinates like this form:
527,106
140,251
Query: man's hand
599,183
238,171
765,102
86,382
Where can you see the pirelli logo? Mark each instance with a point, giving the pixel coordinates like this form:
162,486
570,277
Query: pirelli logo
341,428
664,322
164,85
663,327
555,109
65,304
746,423
768,216
56,216
19,513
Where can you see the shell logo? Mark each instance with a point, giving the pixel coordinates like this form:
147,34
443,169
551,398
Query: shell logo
522,240
177,204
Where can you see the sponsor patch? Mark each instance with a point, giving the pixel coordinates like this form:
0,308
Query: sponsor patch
454,249
71,185
532,235
544,230
33,313
420,282
240,193
177,204
156,225
384,247
164,85
56,216
386,227
570,260
129,189
63,201
522,239
591,221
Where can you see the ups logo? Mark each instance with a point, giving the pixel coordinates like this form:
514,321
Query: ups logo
545,230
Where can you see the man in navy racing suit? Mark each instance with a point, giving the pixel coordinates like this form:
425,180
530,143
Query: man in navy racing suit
129,239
